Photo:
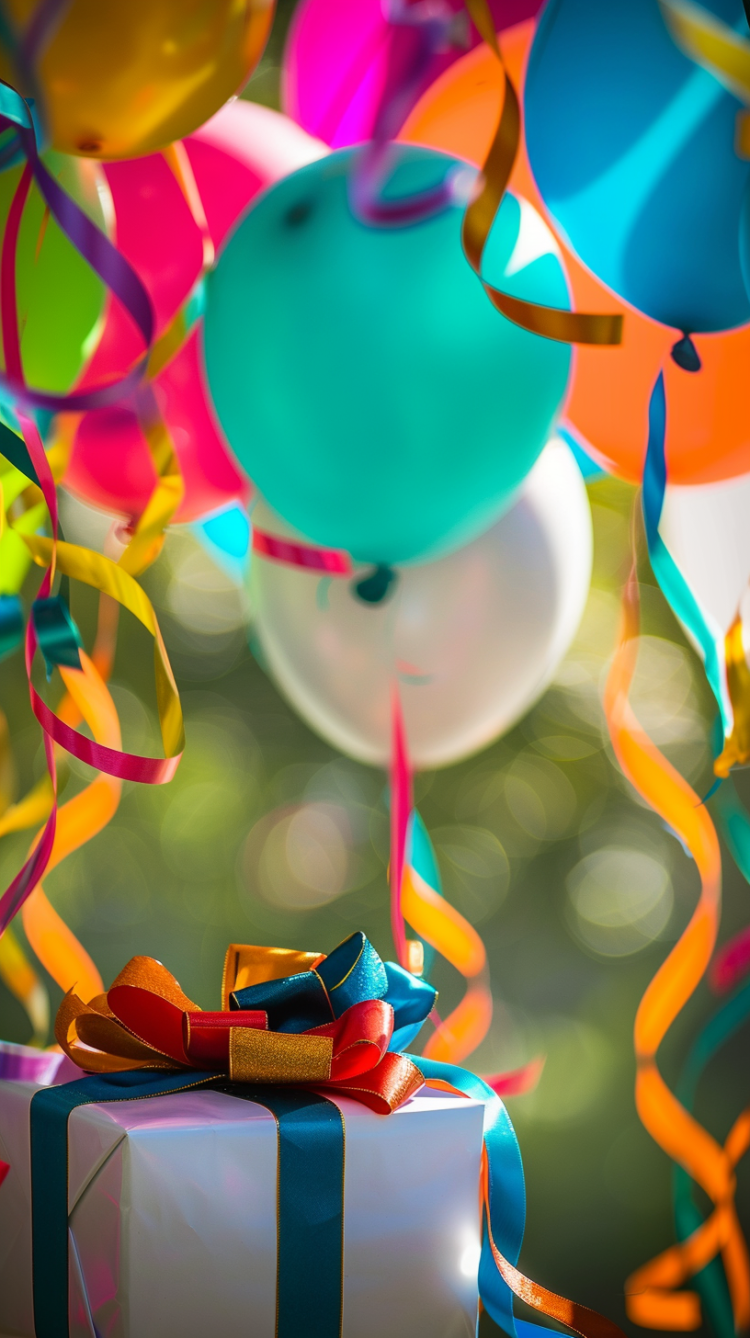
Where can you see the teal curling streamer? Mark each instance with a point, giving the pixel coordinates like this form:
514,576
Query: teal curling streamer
710,1282
672,583
507,1192
734,825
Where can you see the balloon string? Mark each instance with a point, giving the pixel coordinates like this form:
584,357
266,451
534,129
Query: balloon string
651,1296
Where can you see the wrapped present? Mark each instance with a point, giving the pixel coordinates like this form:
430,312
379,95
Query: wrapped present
272,1168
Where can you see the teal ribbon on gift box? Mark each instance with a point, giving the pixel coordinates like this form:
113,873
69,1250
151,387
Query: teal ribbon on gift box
309,1277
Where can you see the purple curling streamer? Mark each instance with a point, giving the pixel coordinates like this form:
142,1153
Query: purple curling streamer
436,27
97,250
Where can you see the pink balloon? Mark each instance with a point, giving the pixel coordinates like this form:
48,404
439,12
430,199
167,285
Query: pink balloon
339,57
233,156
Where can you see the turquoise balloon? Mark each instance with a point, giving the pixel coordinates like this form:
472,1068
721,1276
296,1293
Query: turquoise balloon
632,147
373,394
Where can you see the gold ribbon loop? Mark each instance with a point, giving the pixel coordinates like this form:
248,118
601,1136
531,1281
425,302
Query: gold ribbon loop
278,1056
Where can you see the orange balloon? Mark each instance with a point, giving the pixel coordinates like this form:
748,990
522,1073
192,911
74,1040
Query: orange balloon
708,413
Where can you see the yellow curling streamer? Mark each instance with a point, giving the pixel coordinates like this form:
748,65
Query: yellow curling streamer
446,930
653,1295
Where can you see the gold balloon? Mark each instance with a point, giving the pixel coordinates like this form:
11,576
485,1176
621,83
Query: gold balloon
120,78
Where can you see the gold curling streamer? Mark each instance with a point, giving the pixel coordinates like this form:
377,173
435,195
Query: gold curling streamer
446,930
652,1295
569,327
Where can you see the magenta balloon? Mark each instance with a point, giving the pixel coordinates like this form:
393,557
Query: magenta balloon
234,155
340,54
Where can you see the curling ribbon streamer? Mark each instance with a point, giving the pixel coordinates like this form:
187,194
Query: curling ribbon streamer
503,1202
436,28
78,821
430,915
571,327
95,247
711,1281
401,807
438,923
652,1295
109,579
710,42
446,930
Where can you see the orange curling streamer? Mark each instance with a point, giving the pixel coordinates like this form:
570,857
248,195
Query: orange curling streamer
446,930
652,1298
78,821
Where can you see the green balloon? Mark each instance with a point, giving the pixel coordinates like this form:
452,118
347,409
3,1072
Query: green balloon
366,383
60,298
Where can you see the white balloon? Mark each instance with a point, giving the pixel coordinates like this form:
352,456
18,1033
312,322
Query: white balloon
706,529
472,639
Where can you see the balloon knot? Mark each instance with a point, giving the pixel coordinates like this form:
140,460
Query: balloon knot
686,355
376,587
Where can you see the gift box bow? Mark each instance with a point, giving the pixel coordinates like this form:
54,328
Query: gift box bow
304,1019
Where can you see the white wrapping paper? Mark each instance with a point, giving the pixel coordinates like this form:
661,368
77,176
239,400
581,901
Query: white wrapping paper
172,1206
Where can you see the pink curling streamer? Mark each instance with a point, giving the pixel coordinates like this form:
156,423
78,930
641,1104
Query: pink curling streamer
329,560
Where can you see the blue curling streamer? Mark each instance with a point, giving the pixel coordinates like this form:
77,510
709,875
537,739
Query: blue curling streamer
673,585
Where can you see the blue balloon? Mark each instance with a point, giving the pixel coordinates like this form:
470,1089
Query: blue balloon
375,397
632,147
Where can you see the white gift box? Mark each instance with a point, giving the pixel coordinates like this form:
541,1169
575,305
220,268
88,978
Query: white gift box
172,1217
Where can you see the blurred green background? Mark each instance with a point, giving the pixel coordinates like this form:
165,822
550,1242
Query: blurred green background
267,835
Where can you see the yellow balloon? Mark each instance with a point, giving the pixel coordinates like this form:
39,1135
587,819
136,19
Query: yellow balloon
120,78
